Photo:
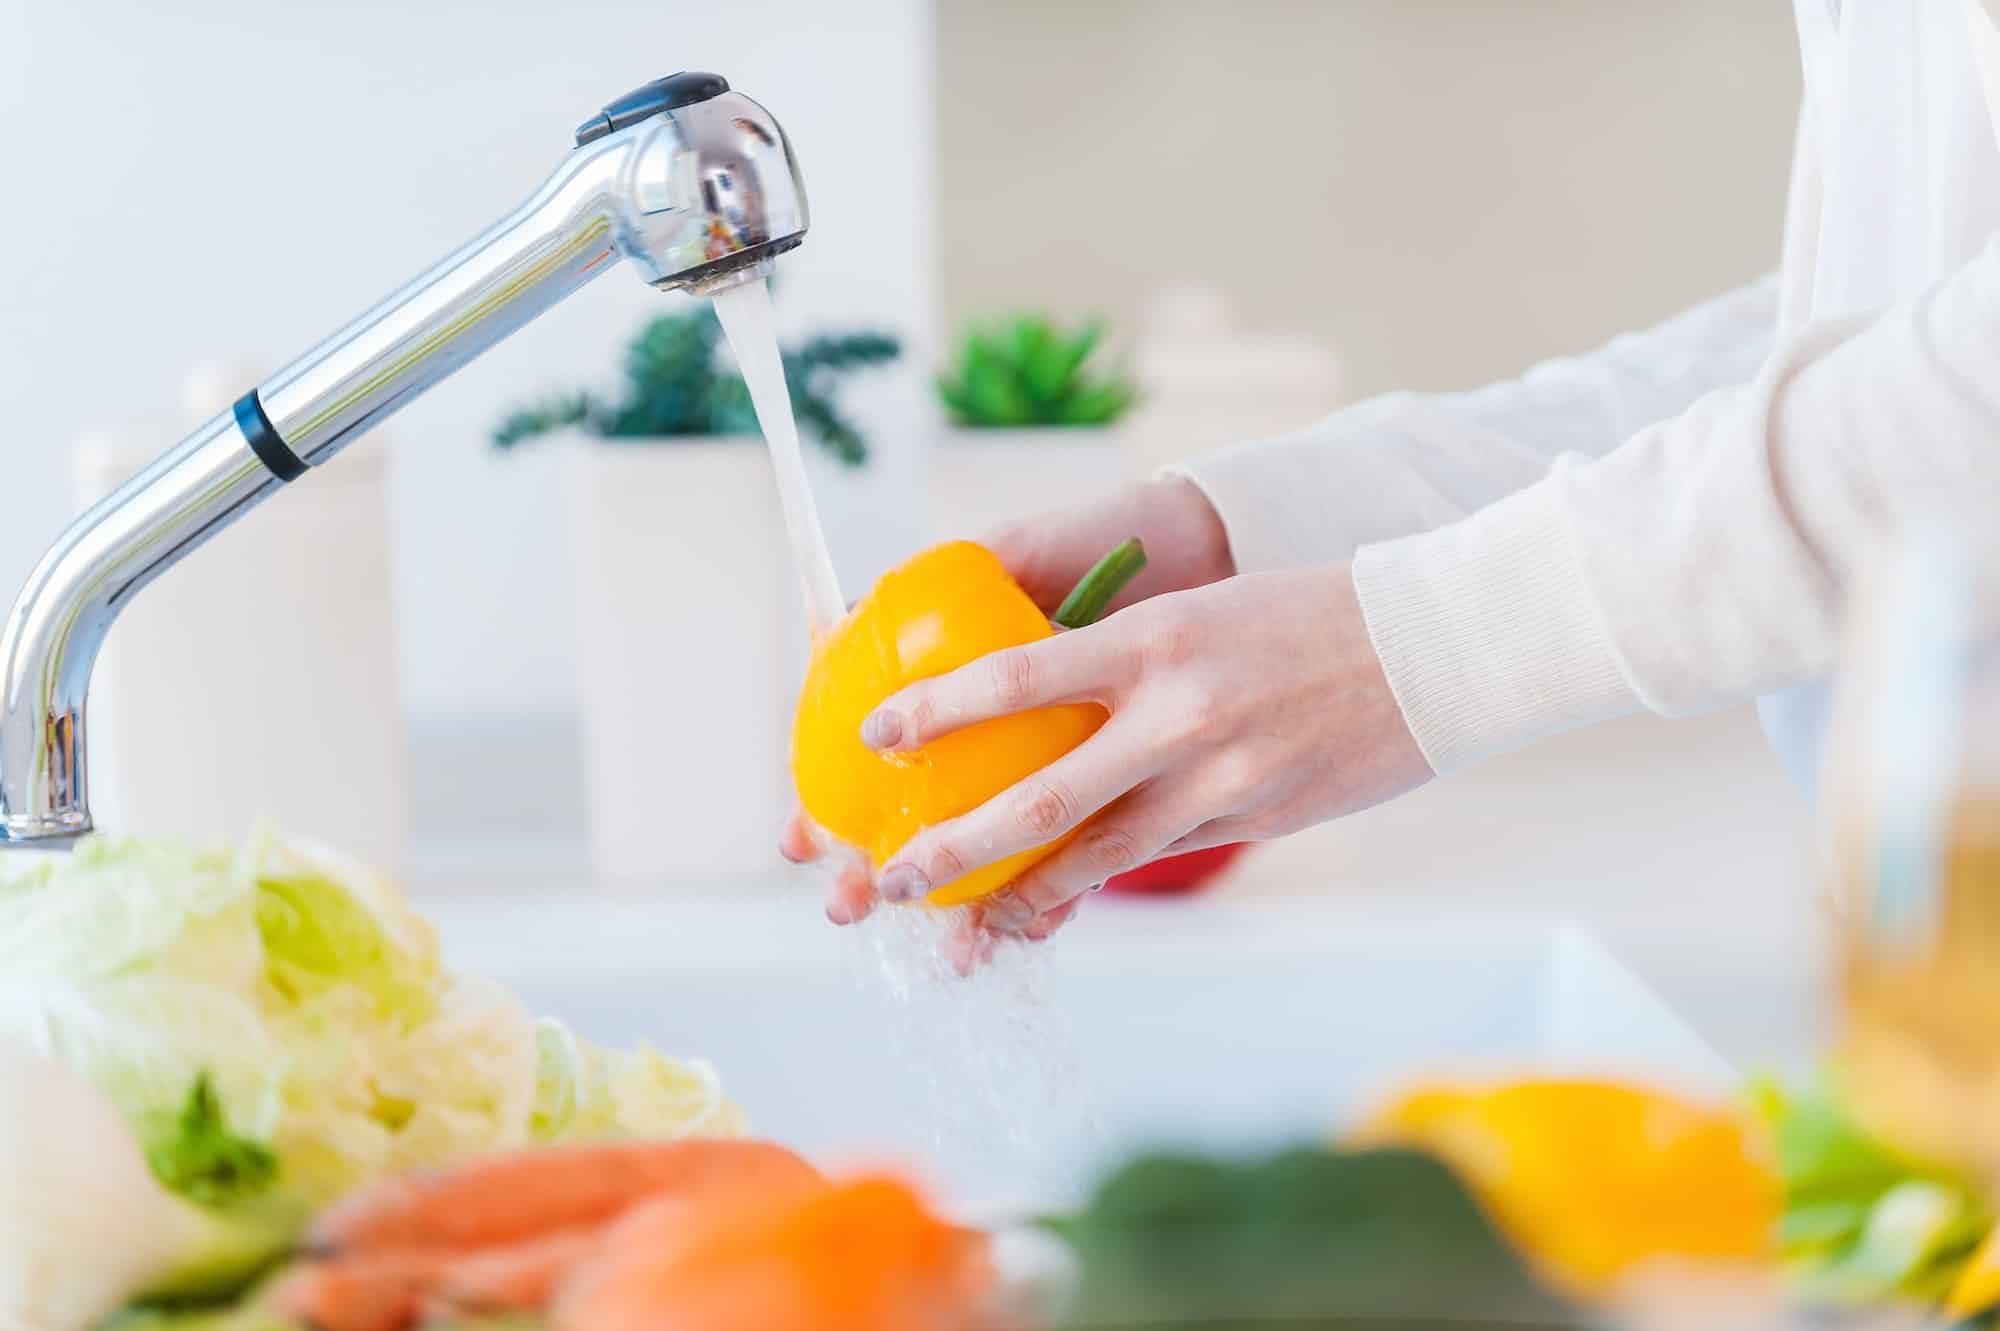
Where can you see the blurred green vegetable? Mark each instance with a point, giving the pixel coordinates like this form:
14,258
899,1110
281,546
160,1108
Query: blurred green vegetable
1028,372
1306,1238
675,387
1863,1221
202,1160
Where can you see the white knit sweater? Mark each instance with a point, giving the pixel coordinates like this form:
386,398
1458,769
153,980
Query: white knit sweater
1668,523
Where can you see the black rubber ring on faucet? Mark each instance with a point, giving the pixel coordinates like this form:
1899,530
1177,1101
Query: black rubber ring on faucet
262,436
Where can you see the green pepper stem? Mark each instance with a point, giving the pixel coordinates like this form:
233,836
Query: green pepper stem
1088,600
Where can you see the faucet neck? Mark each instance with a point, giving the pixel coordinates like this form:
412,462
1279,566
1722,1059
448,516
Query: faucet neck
552,245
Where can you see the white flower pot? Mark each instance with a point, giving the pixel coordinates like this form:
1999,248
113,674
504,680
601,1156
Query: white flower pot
979,479
257,679
690,641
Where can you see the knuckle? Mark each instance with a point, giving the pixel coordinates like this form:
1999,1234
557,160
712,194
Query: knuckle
1198,716
1237,773
1011,677
942,864
1110,851
1045,810
1176,639
920,707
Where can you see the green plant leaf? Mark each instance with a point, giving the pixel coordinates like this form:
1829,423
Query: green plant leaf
1030,372
996,395
555,414
1065,363
956,400
1100,404
674,387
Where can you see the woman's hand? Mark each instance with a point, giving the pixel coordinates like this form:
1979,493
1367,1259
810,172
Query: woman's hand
1185,543
1240,711
1047,555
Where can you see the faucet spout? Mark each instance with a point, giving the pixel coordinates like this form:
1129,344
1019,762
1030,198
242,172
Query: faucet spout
694,184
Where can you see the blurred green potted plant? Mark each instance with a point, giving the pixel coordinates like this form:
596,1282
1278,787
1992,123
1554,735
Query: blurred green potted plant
686,603
1032,419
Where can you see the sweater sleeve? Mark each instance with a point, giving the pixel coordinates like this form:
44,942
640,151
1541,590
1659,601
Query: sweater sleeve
1408,462
1703,560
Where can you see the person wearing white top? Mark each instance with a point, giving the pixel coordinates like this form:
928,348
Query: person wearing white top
1666,524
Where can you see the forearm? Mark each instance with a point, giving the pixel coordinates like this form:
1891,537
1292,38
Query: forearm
1705,560
1408,462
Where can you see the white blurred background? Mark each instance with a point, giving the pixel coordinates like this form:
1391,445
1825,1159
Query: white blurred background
1430,192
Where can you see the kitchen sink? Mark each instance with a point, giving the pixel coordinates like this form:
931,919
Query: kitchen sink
1205,1023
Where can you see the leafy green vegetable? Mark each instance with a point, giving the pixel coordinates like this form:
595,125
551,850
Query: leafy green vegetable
1029,372
274,1028
246,1316
317,937
202,1160
1863,1221
1916,1237
675,386
1306,1238
584,1091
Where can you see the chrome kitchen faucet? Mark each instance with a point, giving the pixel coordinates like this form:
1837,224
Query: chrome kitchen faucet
695,184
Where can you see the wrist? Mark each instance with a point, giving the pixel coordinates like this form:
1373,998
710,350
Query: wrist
1195,528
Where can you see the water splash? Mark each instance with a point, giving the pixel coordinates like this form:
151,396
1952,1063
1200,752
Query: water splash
995,1061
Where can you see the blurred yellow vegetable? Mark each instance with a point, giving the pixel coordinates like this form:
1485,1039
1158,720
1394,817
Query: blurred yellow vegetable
1977,1289
1594,1179
943,609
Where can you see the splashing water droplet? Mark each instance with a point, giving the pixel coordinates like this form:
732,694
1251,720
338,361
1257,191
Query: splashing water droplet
999,1081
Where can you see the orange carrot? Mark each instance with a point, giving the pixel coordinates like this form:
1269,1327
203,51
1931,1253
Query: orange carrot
378,1292
508,1198
860,1256
391,1289
517,1278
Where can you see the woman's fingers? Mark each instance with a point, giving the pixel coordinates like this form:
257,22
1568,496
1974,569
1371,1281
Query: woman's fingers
1045,924
1088,664
852,897
968,947
1137,830
798,842
1030,813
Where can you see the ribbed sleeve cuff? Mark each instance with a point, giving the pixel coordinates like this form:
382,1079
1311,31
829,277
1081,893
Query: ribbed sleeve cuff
1488,631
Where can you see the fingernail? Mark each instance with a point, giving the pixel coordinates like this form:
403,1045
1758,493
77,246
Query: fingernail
1008,915
903,882
882,729
837,912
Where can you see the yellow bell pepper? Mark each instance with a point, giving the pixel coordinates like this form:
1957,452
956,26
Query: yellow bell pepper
1594,1178
941,610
